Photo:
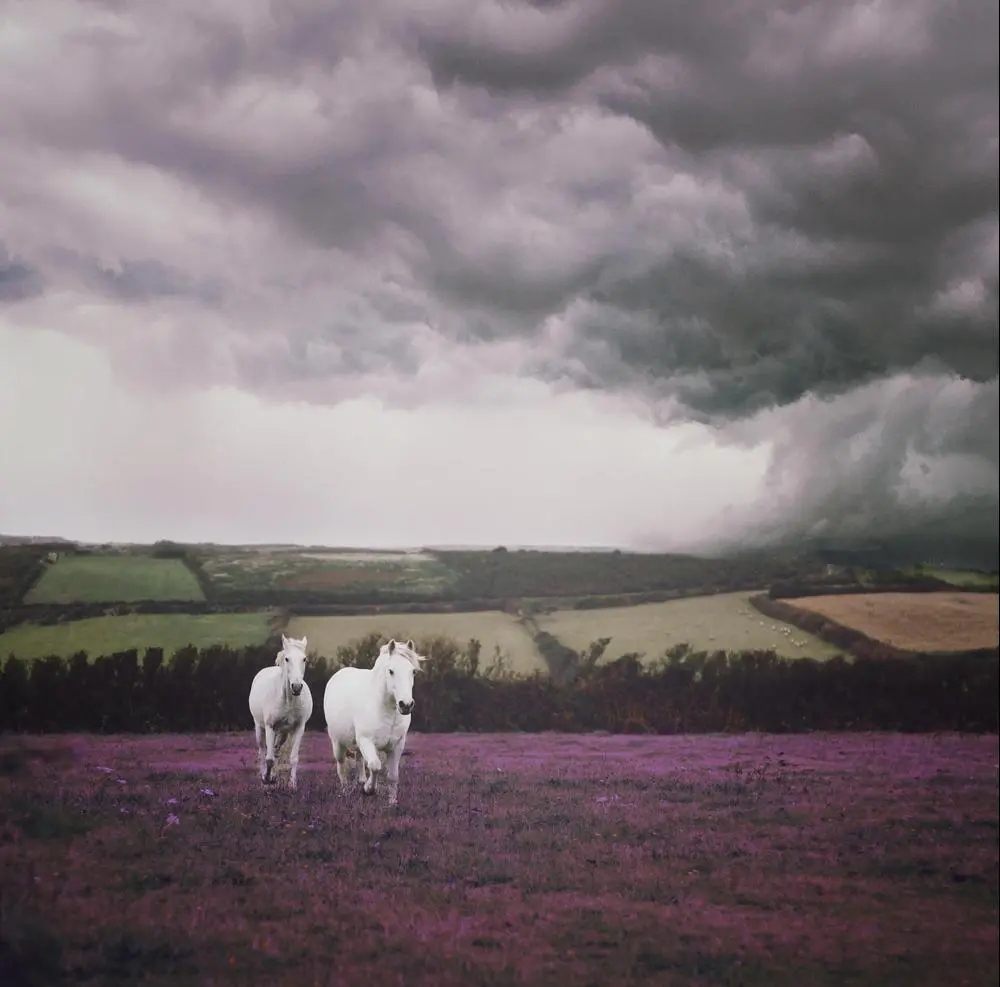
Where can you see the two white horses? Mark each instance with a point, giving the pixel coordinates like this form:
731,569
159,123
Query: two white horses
367,711
281,704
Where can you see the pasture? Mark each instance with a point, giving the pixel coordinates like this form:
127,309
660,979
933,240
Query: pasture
958,577
491,628
108,635
114,579
822,859
724,622
915,621
323,571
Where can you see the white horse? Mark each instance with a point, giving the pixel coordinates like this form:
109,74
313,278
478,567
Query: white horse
281,704
369,709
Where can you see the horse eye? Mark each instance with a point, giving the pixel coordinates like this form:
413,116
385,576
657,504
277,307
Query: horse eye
391,672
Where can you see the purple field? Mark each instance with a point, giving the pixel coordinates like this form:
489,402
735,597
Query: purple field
826,859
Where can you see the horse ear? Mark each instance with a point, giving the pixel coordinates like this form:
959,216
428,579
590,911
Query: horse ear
392,646
305,642
284,641
409,645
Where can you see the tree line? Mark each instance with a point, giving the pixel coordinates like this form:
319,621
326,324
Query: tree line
682,692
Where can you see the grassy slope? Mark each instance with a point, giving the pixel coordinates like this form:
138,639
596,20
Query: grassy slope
106,635
565,861
708,623
491,628
114,579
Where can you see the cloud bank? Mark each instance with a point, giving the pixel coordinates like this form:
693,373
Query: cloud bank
632,273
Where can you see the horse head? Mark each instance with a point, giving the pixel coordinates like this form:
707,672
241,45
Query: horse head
399,663
292,659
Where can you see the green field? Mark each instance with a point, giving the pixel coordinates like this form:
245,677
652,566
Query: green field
957,577
491,628
107,635
114,579
707,623
322,571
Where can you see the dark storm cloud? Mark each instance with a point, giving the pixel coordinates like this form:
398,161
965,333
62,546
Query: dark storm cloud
17,280
912,465
869,132
137,280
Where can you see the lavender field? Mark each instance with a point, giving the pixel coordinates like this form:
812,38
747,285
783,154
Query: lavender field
826,859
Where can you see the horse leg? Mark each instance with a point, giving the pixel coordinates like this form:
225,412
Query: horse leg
261,746
269,754
392,770
339,759
371,761
293,757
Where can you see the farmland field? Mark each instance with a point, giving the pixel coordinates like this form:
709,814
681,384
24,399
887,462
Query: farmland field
107,635
491,628
707,623
548,574
553,860
320,571
915,621
114,579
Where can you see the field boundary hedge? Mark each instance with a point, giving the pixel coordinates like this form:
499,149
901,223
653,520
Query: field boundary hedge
850,639
21,566
206,690
789,590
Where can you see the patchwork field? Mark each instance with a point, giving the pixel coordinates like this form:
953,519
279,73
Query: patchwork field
319,571
114,579
492,629
107,635
915,621
569,861
707,623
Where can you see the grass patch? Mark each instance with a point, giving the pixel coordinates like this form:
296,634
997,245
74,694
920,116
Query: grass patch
108,635
114,579
492,629
723,622
958,577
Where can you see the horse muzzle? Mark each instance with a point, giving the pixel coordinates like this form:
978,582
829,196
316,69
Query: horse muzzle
297,689
405,708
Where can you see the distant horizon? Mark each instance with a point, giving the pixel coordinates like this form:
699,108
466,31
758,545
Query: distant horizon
9,537
804,544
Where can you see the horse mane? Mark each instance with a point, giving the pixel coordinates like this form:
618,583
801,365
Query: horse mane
295,643
404,651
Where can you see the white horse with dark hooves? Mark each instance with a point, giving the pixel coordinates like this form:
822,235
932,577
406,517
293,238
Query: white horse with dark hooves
368,709
281,704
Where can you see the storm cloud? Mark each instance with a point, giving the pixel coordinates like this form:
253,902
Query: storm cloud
775,223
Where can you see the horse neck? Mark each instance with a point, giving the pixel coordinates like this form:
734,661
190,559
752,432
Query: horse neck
285,686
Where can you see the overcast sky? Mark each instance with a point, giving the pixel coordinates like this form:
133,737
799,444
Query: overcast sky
629,273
